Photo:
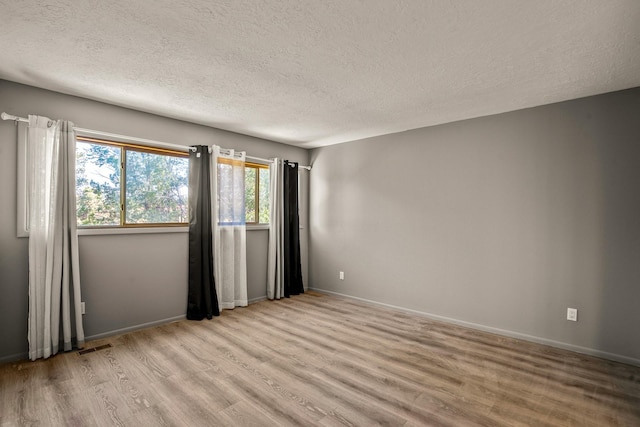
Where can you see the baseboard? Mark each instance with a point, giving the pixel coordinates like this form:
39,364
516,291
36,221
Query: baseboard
154,323
511,334
25,355
258,299
134,328
497,331
14,357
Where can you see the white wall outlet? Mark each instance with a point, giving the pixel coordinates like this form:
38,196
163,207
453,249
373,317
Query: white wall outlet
572,314
82,307
342,275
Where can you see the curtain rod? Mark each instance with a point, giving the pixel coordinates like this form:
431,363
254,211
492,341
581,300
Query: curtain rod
144,141
6,116
271,161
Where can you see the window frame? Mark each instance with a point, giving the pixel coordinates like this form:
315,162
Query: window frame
124,147
22,217
257,166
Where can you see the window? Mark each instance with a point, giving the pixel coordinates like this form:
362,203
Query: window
123,185
256,193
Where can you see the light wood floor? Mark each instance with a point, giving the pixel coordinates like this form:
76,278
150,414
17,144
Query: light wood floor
319,360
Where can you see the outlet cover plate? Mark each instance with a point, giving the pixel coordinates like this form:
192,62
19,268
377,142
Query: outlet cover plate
572,314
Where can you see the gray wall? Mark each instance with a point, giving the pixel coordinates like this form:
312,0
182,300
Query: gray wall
501,222
127,280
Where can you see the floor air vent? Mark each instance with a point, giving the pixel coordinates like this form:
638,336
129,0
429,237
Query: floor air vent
91,350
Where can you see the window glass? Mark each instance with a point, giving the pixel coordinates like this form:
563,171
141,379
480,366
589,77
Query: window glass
250,194
264,196
157,188
97,184
256,193
120,184
231,192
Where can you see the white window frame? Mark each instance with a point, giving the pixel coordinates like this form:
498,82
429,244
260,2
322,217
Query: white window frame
22,223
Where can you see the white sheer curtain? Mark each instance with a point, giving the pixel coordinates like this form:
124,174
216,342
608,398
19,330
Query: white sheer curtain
229,229
275,279
53,237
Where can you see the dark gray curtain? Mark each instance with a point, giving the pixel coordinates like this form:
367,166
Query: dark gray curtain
202,300
292,268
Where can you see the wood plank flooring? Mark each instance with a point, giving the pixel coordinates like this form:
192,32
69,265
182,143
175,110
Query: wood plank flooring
319,360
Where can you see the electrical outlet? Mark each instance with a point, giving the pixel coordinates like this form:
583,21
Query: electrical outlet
342,275
572,314
82,307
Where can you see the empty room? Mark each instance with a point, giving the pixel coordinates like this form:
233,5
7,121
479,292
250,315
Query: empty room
292,213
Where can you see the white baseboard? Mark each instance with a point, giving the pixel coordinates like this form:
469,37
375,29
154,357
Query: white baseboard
154,323
25,355
497,331
134,328
14,357
151,324
258,299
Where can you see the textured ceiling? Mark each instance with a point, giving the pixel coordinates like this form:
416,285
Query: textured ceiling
319,72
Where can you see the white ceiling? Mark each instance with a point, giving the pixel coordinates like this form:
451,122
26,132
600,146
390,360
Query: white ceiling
319,72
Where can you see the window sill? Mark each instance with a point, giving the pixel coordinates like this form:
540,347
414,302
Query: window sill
148,230
258,227
131,230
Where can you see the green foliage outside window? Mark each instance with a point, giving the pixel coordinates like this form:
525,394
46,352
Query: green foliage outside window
256,194
97,184
155,188
264,196
250,194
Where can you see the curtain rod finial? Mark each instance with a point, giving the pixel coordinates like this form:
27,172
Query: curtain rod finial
16,119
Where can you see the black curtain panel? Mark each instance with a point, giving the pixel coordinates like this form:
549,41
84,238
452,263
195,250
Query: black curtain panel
292,268
202,299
